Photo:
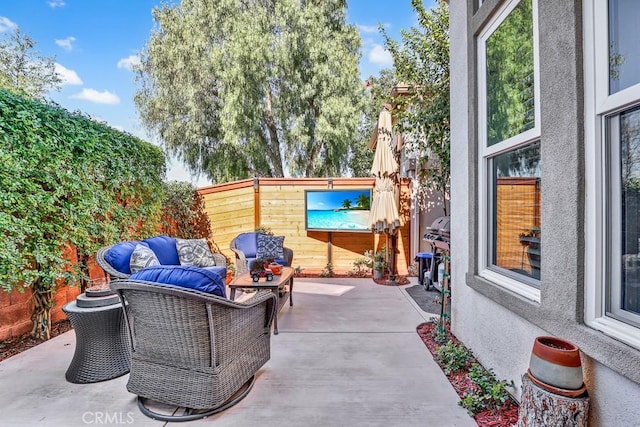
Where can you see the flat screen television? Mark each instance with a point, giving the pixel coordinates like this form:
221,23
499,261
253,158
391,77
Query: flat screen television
337,210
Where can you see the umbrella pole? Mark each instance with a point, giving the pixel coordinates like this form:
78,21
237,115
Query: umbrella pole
391,253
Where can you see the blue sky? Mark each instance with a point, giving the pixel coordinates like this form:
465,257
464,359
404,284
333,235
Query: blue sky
327,200
95,43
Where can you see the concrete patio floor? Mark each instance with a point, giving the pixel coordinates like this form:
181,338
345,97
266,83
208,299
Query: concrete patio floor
347,355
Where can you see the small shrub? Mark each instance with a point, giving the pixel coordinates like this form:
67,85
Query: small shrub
489,393
327,271
298,271
440,335
362,266
452,357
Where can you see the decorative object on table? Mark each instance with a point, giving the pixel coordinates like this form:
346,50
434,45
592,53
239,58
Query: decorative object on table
259,268
555,366
275,268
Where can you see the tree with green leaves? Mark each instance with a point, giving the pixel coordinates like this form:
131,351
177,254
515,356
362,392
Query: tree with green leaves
67,182
346,203
363,201
267,88
377,94
23,70
421,61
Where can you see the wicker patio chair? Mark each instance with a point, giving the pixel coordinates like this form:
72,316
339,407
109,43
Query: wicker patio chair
191,349
245,255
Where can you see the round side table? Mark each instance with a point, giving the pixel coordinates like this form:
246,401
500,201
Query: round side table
102,346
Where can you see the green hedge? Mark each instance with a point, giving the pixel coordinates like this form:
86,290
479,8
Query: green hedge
67,179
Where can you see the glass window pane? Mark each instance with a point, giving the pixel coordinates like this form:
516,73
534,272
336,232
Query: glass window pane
516,208
510,76
624,50
630,221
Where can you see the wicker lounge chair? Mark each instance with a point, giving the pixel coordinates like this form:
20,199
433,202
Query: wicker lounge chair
191,349
245,247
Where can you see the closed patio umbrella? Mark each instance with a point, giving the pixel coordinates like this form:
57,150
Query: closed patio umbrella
384,216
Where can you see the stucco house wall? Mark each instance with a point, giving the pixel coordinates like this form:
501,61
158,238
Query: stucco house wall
500,326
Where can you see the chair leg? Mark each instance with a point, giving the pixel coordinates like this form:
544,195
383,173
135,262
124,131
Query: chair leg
196,414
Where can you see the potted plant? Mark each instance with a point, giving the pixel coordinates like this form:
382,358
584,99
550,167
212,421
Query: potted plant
377,262
378,269
555,366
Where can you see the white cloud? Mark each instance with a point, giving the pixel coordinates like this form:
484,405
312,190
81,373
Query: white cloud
66,44
371,29
380,56
368,28
7,24
56,3
93,95
68,77
130,62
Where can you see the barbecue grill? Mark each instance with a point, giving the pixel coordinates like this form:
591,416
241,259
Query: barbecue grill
439,229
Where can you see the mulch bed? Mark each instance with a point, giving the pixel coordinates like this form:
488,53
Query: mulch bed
506,416
401,280
16,345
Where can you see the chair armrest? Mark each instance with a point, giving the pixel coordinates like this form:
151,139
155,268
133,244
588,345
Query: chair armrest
288,256
241,261
260,297
102,262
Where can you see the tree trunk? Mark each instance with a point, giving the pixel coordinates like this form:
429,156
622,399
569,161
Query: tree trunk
41,317
539,407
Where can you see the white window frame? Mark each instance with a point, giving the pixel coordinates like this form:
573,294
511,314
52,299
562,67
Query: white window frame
598,106
485,152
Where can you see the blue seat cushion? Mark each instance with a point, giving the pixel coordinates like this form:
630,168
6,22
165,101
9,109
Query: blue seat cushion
185,276
220,271
119,256
165,249
247,243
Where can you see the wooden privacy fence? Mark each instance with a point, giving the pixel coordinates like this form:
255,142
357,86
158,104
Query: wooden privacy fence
279,203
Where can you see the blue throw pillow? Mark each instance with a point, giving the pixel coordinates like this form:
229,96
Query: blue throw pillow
185,276
165,249
119,256
270,246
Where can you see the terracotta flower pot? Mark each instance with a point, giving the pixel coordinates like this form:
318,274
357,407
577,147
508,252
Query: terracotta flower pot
555,364
275,268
